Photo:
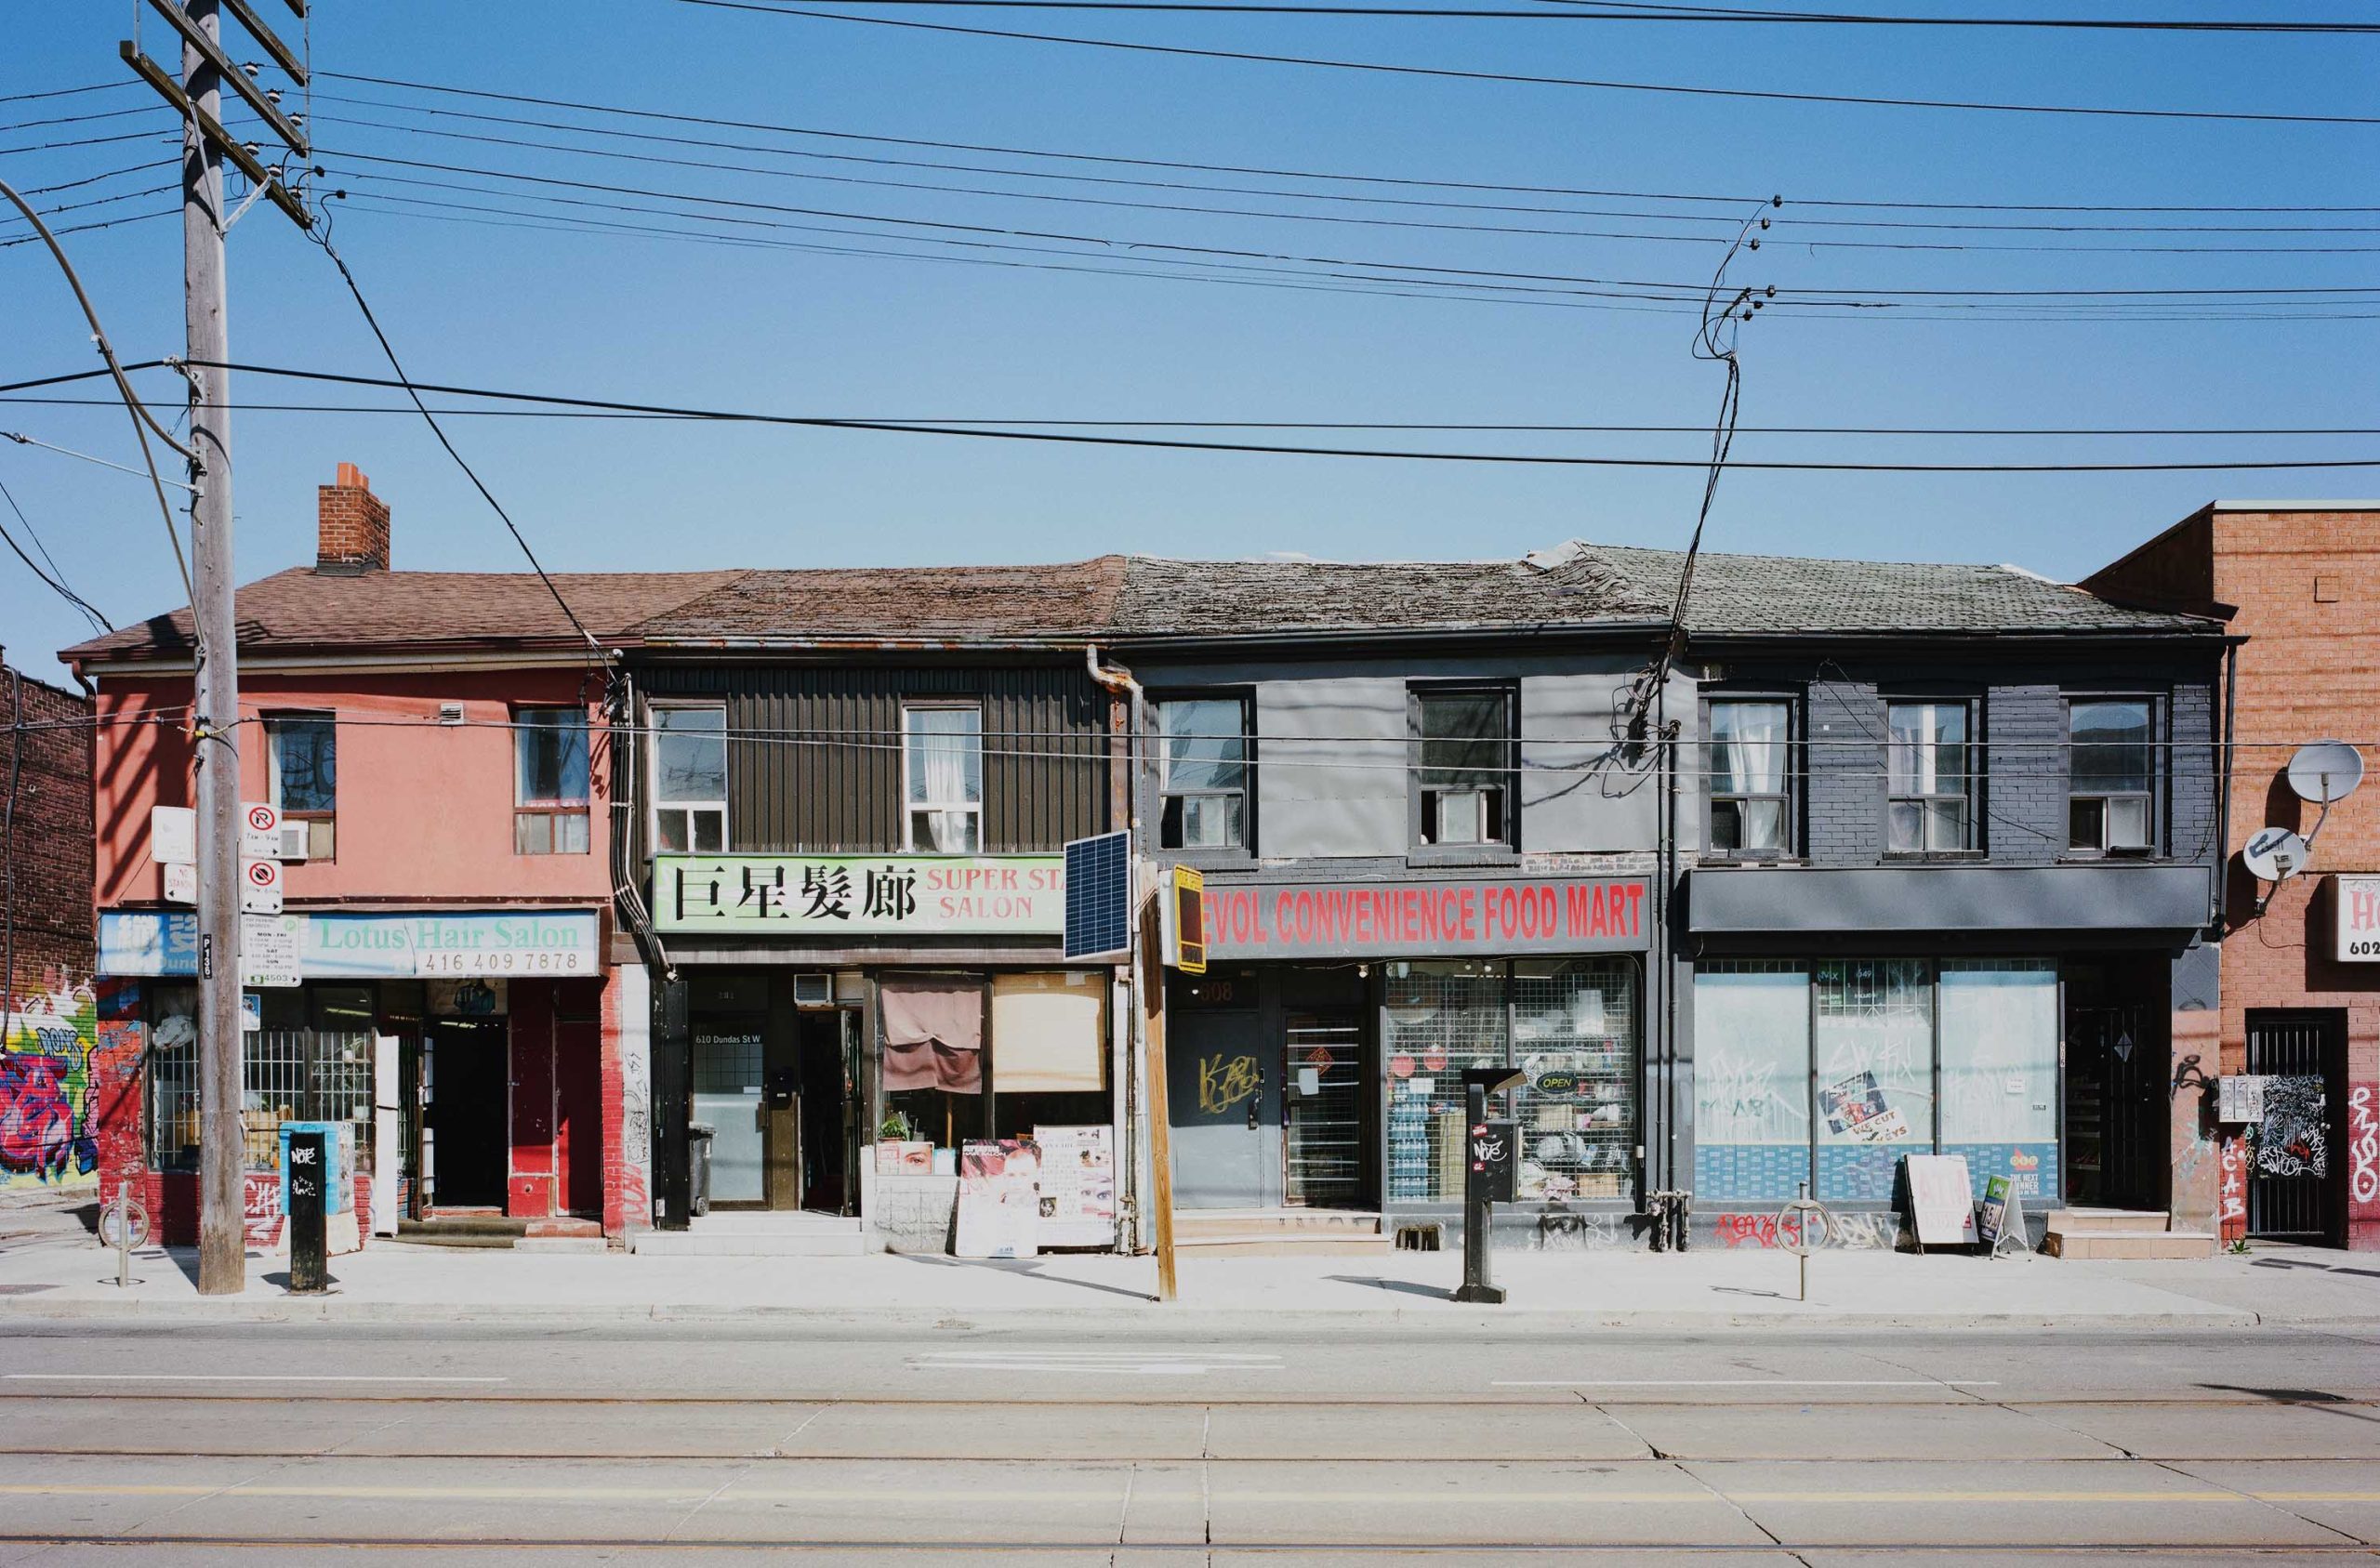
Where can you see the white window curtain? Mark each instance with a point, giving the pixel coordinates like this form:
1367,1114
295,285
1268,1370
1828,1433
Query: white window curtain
1755,748
946,773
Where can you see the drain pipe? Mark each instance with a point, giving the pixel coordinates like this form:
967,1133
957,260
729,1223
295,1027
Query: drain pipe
1118,681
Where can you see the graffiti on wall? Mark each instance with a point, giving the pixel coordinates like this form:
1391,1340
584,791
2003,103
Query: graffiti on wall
48,1103
2291,1139
2362,1146
2233,1193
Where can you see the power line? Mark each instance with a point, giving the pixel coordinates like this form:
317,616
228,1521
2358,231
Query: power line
320,236
1169,270
414,388
1342,198
1593,10
1775,96
53,579
66,92
1671,292
722,122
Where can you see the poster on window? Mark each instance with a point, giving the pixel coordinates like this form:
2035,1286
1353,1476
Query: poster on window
999,1199
1855,1108
1077,1186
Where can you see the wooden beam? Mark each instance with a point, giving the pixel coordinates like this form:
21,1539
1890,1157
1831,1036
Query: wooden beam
234,77
1151,1000
241,158
272,45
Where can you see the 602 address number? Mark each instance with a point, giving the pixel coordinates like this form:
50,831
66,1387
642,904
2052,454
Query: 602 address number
506,963
2368,947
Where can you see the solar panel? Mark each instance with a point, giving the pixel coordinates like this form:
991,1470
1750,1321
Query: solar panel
1099,895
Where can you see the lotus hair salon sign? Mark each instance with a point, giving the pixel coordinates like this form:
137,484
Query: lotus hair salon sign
2356,903
861,895
526,944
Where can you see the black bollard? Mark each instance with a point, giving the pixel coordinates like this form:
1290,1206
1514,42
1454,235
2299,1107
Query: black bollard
309,1272
1490,1175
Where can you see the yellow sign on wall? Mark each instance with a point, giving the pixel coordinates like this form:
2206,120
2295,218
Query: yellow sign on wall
1186,946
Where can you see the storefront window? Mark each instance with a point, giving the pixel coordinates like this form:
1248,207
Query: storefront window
1999,1070
1049,1052
1752,1082
1441,1019
1574,1034
932,1060
312,1061
1874,1045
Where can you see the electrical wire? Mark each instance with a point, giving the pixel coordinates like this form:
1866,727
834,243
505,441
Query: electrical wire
415,388
1734,199
67,92
321,235
143,422
1636,235
1446,72
54,579
1590,10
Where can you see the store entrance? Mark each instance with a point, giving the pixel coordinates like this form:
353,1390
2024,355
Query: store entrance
826,1110
469,1073
1271,1089
2117,1067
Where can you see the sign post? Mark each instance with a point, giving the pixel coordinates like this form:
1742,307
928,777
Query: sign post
1489,1174
308,1244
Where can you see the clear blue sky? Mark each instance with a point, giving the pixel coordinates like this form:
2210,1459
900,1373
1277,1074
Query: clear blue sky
836,335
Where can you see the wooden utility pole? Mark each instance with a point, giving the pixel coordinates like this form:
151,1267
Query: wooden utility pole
215,721
1152,1003
223,1235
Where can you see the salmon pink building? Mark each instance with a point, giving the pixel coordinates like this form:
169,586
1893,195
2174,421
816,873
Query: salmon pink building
440,982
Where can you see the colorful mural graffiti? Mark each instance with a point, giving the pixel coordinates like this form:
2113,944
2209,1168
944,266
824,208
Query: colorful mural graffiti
48,1103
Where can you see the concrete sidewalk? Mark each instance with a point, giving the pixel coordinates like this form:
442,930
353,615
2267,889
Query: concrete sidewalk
63,1275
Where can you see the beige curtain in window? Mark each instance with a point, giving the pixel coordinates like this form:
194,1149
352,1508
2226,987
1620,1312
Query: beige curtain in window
933,1035
1049,1031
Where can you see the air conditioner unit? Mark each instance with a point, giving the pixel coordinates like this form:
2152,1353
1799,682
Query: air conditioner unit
450,713
814,990
291,843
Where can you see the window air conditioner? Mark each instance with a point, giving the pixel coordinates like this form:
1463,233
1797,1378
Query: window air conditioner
814,990
292,846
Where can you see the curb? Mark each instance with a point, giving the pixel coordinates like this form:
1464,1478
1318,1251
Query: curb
1170,1321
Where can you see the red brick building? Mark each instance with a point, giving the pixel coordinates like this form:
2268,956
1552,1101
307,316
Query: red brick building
442,982
2299,581
46,1140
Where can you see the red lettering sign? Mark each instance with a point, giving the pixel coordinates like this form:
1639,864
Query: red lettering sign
1498,916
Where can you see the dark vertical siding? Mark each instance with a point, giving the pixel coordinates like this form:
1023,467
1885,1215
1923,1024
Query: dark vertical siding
813,758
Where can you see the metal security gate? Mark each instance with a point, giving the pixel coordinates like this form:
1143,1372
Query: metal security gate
2301,1058
1322,1084
2115,1109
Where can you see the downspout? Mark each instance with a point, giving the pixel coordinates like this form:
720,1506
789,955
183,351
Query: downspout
1118,681
1671,1218
2215,875
619,708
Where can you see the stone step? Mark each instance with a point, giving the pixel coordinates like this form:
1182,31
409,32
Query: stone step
2075,1222
456,1238
473,1224
2133,1245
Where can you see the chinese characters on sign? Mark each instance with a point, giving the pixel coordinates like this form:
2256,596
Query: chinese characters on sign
860,894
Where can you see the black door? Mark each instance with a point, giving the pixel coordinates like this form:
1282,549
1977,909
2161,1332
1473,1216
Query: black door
2115,1108
468,1111
825,1112
2294,1163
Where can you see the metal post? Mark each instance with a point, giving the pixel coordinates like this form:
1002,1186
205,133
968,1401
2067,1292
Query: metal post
123,1235
308,1178
222,1266
1478,1217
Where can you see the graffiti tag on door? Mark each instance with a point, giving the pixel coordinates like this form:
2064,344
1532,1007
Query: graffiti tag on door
1224,1082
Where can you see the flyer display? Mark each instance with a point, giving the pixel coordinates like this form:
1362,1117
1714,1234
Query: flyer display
1856,1107
999,1199
1077,1205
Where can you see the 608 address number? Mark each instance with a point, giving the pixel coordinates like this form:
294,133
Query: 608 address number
507,963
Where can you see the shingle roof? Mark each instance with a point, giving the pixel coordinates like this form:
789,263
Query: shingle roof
1783,594
1067,599
1126,597
303,608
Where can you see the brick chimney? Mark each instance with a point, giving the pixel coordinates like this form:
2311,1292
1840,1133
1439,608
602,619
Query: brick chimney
354,525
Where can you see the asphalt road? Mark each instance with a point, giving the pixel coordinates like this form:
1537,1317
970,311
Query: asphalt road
240,1445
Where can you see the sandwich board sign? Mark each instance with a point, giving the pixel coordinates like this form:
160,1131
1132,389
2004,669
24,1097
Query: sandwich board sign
1941,1199
2001,1224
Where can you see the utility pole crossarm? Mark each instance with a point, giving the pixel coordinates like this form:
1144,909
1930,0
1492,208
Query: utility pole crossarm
211,127
204,45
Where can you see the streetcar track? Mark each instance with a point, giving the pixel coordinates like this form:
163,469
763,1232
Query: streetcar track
579,1544
1186,1401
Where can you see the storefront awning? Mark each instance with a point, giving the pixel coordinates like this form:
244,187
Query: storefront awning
2164,900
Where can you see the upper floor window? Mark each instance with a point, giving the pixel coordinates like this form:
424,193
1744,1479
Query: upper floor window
549,781
1929,778
690,780
1204,759
1464,766
2112,771
1750,747
942,760
303,753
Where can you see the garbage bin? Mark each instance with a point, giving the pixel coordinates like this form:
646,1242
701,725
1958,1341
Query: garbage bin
698,1136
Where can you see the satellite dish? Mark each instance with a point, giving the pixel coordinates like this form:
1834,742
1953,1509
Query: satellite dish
2275,854
2325,772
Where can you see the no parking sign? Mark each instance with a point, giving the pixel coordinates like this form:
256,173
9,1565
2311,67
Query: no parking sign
259,887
